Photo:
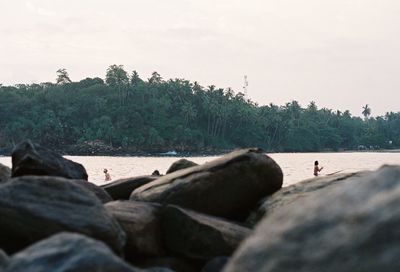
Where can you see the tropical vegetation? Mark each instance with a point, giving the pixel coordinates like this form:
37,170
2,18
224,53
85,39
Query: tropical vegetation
128,113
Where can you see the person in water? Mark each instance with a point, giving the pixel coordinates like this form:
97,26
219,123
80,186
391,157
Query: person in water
107,175
317,168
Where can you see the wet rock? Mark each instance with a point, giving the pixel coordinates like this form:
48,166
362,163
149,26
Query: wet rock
294,192
141,224
122,188
5,173
228,187
33,159
353,226
32,209
180,164
216,264
4,259
68,252
198,236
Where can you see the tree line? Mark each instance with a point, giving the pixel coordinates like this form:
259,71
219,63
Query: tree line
127,112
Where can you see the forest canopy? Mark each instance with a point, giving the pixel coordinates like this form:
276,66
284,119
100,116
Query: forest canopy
132,114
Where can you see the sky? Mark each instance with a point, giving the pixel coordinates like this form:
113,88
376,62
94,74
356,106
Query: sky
342,54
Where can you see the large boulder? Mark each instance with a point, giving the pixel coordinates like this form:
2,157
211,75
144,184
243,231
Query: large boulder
32,209
353,226
158,269
294,192
68,252
228,187
33,159
173,263
141,224
122,188
5,173
179,165
198,236
216,264
97,190
4,259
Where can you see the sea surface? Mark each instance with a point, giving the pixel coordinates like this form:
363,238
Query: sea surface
295,166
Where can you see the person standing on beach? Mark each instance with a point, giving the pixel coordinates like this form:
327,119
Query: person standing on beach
107,175
317,168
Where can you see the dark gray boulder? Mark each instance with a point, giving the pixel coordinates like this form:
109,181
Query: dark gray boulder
97,190
4,259
353,226
294,192
68,252
172,263
32,209
5,173
121,189
179,165
228,187
158,269
33,159
100,193
141,224
198,236
216,264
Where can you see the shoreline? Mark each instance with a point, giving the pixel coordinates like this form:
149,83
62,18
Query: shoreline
195,154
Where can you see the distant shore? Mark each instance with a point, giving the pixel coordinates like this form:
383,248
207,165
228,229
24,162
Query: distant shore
173,153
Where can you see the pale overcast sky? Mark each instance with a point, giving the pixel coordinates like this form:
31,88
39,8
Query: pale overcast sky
342,54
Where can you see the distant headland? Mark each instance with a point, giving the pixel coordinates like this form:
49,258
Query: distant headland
125,114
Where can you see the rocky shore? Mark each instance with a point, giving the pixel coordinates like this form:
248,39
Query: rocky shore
230,214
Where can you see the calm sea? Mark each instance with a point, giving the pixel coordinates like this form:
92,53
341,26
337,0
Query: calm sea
295,166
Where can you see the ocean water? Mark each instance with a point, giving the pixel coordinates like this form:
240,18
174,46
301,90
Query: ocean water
295,166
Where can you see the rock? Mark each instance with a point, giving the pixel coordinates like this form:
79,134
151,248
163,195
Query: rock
4,259
172,263
5,173
97,190
68,252
158,269
122,188
180,164
32,209
33,159
216,264
353,226
294,192
198,236
156,173
141,224
228,187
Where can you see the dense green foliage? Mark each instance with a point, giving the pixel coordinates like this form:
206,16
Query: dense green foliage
156,115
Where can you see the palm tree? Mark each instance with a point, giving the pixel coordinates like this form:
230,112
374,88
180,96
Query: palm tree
62,76
312,107
366,111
